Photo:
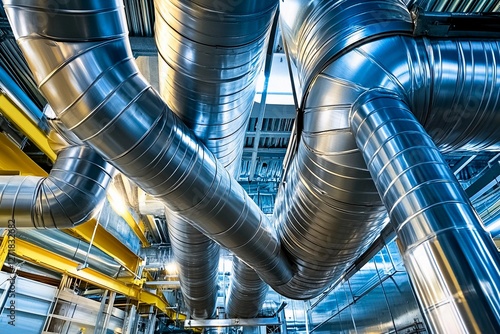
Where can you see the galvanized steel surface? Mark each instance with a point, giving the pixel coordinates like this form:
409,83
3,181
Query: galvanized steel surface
65,245
72,193
452,261
209,58
109,106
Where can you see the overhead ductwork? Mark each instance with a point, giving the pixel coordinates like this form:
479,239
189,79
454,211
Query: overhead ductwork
450,86
84,51
72,193
452,262
210,54
342,50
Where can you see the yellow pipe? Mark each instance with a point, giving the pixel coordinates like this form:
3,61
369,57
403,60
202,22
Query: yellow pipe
26,126
60,264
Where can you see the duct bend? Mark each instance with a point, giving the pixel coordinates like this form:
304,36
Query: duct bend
71,194
210,54
452,262
82,49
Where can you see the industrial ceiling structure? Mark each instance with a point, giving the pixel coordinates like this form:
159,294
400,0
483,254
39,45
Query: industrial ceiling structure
231,166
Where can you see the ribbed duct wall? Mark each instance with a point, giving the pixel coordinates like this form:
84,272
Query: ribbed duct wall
326,208
246,292
197,258
452,262
72,193
83,50
210,54
332,181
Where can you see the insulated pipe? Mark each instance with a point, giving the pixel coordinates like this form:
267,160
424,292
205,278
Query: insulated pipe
82,49
72,193
210,54
453,264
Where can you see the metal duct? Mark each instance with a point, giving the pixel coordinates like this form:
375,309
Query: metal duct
65,245
452,262
246,292
197,258
71,194
81,48
326,208
210,54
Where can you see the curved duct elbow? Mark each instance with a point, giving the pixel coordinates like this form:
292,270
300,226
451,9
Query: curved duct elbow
115,111
328,207
71,194
210,54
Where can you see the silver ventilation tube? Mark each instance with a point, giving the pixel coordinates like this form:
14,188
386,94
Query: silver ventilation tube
326,209
82,48
113,109
452,262
197,258
452,88
246,292
72,193
210,54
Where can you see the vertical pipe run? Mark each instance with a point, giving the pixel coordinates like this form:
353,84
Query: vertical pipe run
452,262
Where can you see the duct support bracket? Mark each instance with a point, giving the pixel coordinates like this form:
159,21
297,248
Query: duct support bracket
108,244
445,25
13,161
46,259
25,124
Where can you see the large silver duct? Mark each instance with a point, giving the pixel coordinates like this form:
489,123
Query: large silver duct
82,48
210,54
71,194
452,262
452,88
327,206
108,96
65,245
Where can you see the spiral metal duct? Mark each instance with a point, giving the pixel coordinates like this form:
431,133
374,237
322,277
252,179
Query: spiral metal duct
210,54
452,262
110,107
72,193
324,209
197,258
246,292
65,245
82,49
451,87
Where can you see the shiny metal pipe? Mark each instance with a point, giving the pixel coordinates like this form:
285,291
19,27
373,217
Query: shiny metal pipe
246,292
452,262
210,54
108,105
327,210
15,93
65,245
197,258
72,193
